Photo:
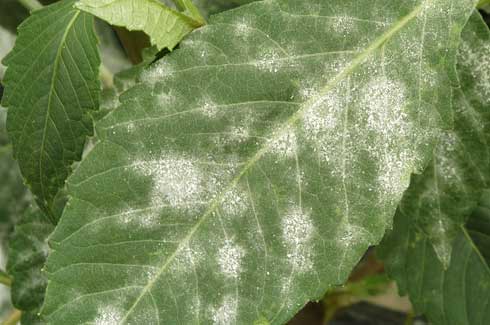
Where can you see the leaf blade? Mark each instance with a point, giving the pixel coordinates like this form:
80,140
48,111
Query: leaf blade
145,16
175,175
431,246
48,134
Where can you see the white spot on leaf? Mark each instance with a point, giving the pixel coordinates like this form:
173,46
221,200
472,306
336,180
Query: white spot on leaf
229,258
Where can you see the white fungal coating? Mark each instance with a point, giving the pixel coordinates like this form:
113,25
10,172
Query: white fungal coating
226,313
284,144
269,61
108,315
230,258
177,181
297,231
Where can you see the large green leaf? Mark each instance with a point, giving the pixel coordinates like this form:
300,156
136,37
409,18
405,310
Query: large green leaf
51,84
251,169
165,26
28,249
429,252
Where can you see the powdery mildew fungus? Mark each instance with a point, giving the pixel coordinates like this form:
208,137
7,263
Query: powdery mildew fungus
160,70
226,313
234,202
177,181
230,259
383,100
284,144
270,61
477,59
297,231
343,25
187,260
321,122
209,108
439,232
447,169
108,315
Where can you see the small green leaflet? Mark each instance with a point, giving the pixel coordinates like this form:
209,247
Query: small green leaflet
433,256
250,169
28,249
165,26
51,85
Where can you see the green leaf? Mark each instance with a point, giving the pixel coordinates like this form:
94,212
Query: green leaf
27,254
210,7
165,26
12,13
429,251
190,10
457,294
14,197
51,85
251,169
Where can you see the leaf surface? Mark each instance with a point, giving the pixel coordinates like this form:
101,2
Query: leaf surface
250,169
433,256
165,26
51,85
28,249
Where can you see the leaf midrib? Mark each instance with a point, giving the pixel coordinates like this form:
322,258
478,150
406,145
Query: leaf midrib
56,67
291,121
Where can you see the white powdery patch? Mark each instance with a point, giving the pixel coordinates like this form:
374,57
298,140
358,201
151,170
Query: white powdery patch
344,25
230,259
446,164
108,315
234,202
177,181
238,134
270,61
187,260
383,101
225,314
161,70
322,123
144,219
284,143
477,60
209,108
297,231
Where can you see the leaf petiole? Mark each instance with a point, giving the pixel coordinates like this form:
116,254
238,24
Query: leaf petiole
5,279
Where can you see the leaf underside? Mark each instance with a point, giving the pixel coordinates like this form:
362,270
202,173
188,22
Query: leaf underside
432,254
165,26
251,169
51,84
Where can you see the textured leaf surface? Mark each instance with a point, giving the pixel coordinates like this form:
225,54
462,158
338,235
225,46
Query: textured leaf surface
14,197
431,255
28,249
165,26
251,169
51,84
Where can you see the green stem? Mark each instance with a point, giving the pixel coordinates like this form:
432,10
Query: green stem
14,318
5,279
190,9
31,5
